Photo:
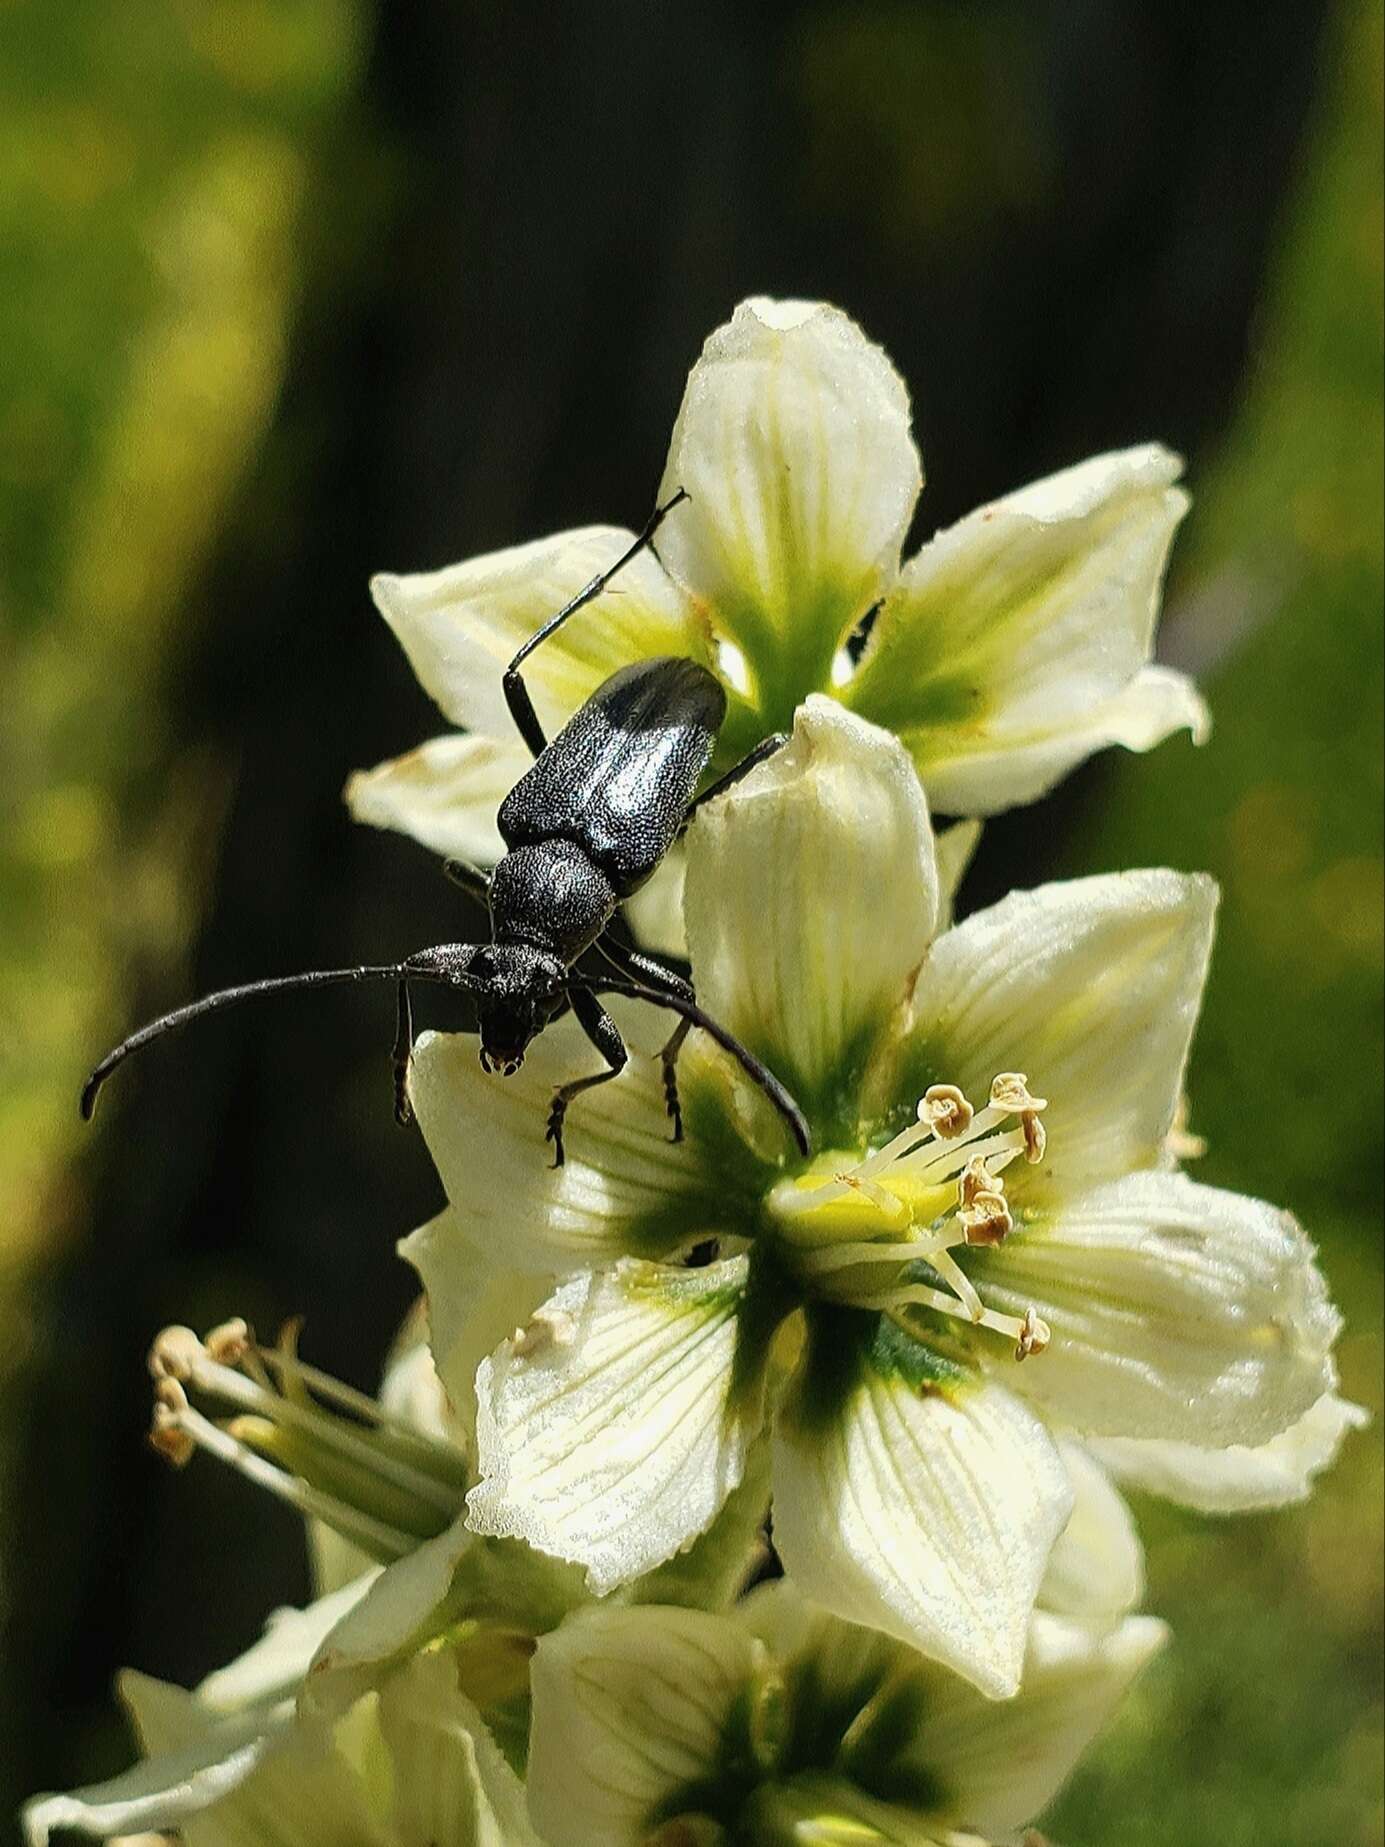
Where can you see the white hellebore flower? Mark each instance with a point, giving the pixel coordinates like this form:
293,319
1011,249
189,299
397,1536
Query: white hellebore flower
870,1305
1007,650
782,1725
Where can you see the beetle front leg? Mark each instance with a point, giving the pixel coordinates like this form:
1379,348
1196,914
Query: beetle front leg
601,1029
751,760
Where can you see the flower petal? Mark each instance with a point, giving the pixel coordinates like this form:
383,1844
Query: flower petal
1001,1763
630,1708
1236,1479
1096,1571
626,1186
1091,987
445,794
176,1781
793,446
1177,1311
956,848
460,627
612,1432
1017,642
923,1506
473,1304
712,1572
273,1667
449,1780
812,894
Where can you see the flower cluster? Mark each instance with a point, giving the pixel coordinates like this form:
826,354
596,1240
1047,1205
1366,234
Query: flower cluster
728,1494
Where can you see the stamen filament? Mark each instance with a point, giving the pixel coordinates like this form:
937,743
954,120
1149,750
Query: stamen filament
376,1537
1018,1329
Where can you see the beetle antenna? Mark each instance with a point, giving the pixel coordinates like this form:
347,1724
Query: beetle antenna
231,997
757,1072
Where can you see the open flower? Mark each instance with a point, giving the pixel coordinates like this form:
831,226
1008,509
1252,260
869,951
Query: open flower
1008,649
783,1725
972,1260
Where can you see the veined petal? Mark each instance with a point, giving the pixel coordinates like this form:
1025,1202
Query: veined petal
1000,1763
461,627
626,1186
793,446
1177,1311
631,1707
449,1780
473,1303
613,1429
444,794
1236,1479
1091,987
1096,1571
1014,643
911,1498
812,894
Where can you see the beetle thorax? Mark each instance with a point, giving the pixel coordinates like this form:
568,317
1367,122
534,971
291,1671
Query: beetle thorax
551,895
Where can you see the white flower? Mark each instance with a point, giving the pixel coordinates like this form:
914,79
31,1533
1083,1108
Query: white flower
783,1725
1008,649
870,1307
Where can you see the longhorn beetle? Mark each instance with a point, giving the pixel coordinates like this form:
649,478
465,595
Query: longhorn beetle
583,829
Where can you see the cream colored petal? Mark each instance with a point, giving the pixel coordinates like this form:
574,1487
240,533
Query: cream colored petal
630,1708
612,1430
793,446
450,1785
1238,1480
472,1305
1018,641
926,1511
398,1614
812,894
460,627
710,1573
221,1782
1092,988
272,1668
1001,1762
177,1781
1177,1311
1096,1571
626,1187
445,795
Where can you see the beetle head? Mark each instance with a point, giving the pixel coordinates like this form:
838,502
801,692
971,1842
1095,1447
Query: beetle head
521,988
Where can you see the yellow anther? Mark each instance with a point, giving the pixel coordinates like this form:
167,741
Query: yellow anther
1180,1144
1034,1335
1010,1091
229,1342
946,1111
987,1219
174,1354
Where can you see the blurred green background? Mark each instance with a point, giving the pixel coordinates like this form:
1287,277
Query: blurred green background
293,290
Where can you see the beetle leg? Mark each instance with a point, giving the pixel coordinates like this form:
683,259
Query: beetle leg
516,692
631,961
400,1056
751,760
601,1029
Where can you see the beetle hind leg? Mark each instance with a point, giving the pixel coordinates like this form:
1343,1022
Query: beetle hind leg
401,1056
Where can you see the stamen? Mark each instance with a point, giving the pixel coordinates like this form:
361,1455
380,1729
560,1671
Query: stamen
1030,1332
374,1479
986,1220
545,1328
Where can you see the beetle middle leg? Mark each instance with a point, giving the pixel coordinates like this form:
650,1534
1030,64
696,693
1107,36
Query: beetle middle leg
516,692
630,961
604,1034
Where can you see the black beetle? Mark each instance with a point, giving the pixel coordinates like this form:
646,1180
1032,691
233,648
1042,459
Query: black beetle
584,828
